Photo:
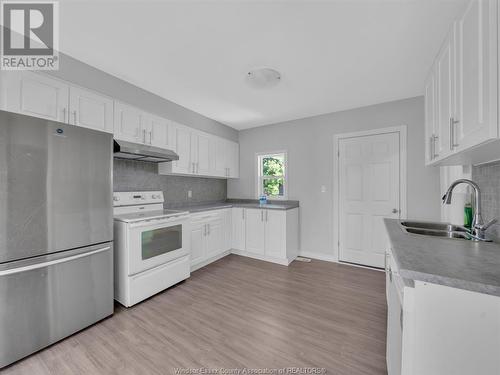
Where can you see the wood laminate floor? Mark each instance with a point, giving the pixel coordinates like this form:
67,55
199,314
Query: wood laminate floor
237,313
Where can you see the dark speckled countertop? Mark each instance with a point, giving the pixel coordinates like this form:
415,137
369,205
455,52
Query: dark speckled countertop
461,264
246,203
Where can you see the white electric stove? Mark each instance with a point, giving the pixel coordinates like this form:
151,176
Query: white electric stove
152,249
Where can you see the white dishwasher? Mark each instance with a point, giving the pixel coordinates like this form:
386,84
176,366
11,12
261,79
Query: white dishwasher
395,297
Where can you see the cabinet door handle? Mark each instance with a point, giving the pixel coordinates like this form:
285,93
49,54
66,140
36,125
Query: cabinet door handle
243,214
74,117
267,212
150,137
204,229
208,225
143,135
401,313
261,215
434,139
451,133
431,147
453,122
64,114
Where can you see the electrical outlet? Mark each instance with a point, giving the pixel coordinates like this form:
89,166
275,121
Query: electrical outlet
190,194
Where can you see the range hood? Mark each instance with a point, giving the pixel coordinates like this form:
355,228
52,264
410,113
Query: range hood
136,151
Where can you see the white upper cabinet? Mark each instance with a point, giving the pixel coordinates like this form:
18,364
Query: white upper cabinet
183,148
128,123
40,95
461,98
477,61
445,96
220,167
135,125
233,159
202,154
35,95
45,97
205,155
90,110
155,130
430,117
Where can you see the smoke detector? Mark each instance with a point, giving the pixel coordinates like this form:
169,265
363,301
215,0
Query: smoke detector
263,77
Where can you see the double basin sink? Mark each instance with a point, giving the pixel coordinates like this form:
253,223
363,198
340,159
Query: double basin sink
443,230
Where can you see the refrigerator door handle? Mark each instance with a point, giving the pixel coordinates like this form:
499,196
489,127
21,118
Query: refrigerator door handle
52,262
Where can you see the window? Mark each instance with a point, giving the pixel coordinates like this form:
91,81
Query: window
271,172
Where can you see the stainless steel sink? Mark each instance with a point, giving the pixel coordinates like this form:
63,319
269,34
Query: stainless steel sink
438,233
434,226
443,230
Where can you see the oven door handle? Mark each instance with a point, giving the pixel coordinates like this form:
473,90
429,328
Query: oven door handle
154,222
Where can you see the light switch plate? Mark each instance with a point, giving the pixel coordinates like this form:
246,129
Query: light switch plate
190,194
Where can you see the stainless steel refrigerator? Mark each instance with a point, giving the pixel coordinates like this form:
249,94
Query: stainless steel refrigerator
56,258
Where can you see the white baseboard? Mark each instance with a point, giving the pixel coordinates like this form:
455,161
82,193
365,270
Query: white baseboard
206,262
283,262
318,256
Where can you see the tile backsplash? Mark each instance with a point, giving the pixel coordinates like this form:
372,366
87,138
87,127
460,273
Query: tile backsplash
487,177
138,176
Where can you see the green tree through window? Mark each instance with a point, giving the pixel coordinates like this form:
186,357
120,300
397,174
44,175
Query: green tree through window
272,175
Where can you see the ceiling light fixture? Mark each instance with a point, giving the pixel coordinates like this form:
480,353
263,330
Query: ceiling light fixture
263,77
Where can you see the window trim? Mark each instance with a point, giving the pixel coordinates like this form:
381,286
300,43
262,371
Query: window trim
259,177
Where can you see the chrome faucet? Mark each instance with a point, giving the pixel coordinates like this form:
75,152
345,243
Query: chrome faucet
478,229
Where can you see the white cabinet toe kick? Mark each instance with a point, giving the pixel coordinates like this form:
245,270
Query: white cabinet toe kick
264,234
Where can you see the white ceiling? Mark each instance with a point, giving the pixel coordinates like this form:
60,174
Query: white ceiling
332,55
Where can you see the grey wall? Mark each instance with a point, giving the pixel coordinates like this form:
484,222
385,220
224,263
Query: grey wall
87,76
309,143
137,176
488,178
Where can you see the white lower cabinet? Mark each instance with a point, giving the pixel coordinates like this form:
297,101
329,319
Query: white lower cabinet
238,224
208,237
197,242
266,234
436,329
270,235
255,229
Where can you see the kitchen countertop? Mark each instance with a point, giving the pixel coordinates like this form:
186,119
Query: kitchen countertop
245,203
461,264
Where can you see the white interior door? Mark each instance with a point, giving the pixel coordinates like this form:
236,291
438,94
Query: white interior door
369,191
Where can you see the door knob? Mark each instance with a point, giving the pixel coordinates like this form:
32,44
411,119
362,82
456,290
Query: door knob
395,210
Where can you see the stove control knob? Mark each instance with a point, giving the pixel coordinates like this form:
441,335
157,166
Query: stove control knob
116,199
